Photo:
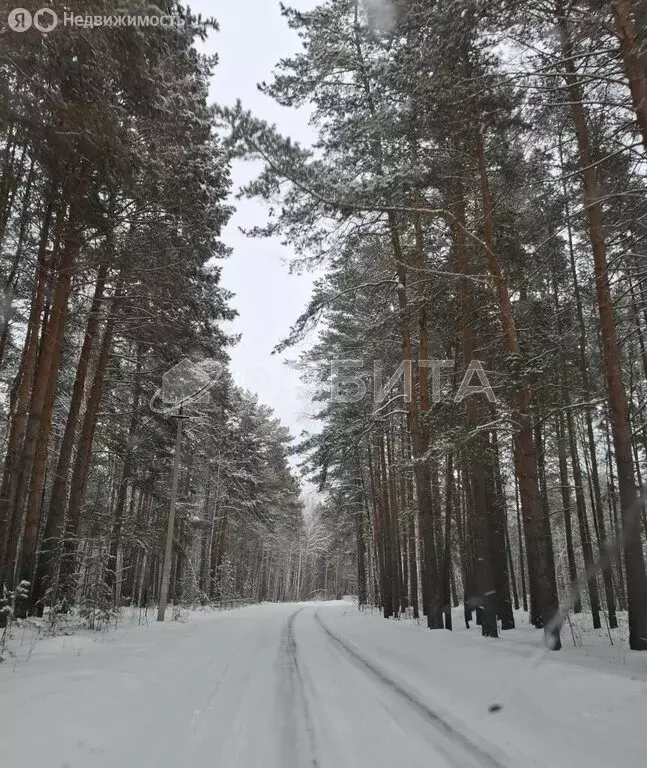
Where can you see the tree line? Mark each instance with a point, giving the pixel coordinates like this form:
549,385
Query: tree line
114,191
477,192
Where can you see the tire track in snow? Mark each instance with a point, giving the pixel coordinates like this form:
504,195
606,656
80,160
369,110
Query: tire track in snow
440,724
295,701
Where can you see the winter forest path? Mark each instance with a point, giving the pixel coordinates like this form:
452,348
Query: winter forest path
313,685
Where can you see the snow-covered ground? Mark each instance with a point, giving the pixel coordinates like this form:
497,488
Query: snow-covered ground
319,684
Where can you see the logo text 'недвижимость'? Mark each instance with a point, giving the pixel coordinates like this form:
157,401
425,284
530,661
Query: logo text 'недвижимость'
46,20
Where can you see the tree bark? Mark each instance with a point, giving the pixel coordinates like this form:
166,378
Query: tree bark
84,456
9,524
618,406
538,549
126,477
55,522
34,452
637,80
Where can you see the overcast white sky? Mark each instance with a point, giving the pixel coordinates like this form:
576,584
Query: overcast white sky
253,37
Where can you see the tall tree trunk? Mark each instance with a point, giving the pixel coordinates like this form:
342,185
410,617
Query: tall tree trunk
498,529
580,505
566,507
413,559
538,549
629,47
513,578
390,591
447,553
361,556
480,524
83,458
468,556
34,452
394,522
618,406
522,565
586,394
13,277
126,477
55,522
9,523
420,445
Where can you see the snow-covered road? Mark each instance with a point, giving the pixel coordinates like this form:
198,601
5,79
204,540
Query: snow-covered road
291,686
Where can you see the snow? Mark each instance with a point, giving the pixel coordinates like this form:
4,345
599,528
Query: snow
317,684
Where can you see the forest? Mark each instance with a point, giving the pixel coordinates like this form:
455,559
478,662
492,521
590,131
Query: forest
114,189
475,210
476,193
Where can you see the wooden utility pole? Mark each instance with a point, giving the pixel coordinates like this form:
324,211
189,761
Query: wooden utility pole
168,552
